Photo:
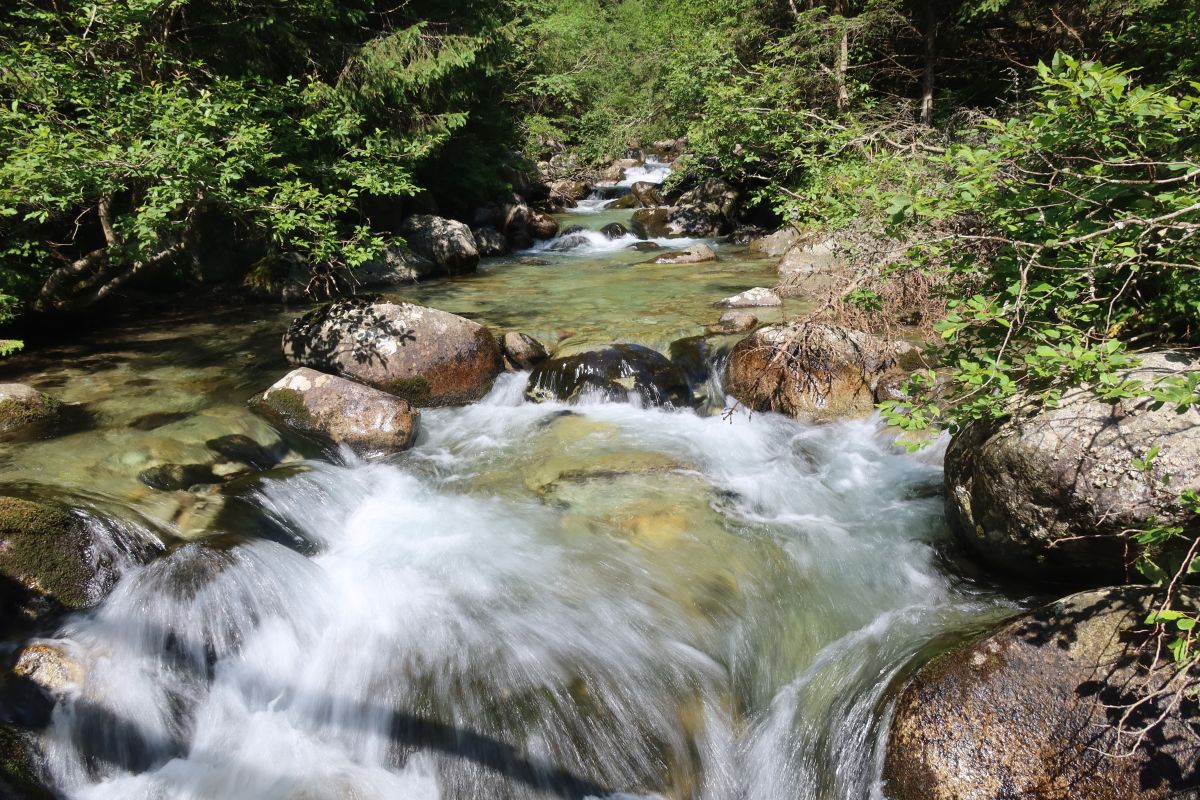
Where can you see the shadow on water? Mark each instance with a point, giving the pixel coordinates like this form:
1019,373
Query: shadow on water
107,740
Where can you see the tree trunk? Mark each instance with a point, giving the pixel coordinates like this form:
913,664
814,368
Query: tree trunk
843,68
930,59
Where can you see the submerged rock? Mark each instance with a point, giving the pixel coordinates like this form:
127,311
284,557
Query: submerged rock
751,298
448,243
692,255
24,409
1030,712
811,369
177,477
522,351
1050,491
341,411
645,247
426,356
736,321
614,374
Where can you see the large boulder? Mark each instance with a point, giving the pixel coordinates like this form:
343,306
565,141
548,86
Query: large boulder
1029,712
812,369
24,409
806,259
1051,490
426,356
647,194
523,222
710,209
55,559
778,243
446,242
650,223
569,191
292,278
615,374
341,411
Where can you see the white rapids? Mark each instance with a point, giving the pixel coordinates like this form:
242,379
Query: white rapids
537,601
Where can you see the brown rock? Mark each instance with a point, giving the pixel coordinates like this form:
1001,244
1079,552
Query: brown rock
692,255
736,321
650,223
522,351
810,369
49,667
647,194
341,411
1022,713
530,222
426,356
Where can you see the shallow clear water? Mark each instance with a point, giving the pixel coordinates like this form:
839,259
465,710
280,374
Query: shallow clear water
535,601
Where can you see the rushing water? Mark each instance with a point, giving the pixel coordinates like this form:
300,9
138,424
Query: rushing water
599,600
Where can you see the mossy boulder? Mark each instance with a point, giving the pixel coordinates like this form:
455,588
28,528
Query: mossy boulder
20,766
1032,712
24,409
426,356
48,559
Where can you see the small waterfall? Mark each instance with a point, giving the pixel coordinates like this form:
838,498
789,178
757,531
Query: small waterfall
652,171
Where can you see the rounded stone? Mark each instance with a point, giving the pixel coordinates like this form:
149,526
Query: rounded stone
1050,491
426,356
341,411
1030,712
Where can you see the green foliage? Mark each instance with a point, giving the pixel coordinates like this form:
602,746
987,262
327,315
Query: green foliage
122,122
1170,553
601,75
1077,223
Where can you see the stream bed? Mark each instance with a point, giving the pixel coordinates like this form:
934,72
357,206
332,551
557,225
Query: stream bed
537,600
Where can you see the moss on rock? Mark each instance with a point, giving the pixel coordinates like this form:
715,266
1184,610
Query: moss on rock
19,773
416,390
43,548
17,413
